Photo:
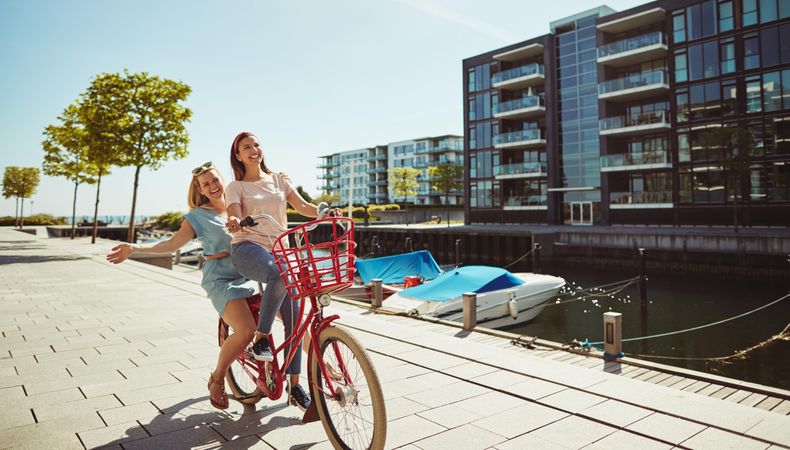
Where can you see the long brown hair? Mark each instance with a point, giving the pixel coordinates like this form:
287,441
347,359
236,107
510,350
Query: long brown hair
238,167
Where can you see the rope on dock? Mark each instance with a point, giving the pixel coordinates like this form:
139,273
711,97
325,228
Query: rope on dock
718,322
520,258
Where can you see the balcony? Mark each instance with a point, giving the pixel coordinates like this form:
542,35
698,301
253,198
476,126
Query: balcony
634,87
634,50
329,186
377,170
381,157
635,124
520,170
522,108
636,161
327,165
520,139
633,21
640,199
519,77
328,175
525,202
527,51
440,149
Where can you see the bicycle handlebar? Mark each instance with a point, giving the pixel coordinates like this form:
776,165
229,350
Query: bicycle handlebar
250,221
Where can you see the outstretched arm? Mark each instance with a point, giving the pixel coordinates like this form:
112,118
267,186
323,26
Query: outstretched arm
184,234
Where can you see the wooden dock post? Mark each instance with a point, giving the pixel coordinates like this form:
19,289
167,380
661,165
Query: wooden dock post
536,257
642,280
177,256
612,335
457,252
376,292
470,311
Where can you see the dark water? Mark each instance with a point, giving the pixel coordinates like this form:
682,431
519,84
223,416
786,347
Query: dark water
678,302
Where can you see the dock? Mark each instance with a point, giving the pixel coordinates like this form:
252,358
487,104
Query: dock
95,355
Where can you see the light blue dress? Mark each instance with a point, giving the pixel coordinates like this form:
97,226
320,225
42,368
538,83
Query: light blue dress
220,279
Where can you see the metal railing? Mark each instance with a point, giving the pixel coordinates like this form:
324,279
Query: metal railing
635,159
635,43
524,168
526,200
613,123
533,134
640,197
531,101
633,81
529,69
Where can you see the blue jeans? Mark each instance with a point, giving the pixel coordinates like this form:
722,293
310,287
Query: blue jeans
255,263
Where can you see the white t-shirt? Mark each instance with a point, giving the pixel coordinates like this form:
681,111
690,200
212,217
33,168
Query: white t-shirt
266,196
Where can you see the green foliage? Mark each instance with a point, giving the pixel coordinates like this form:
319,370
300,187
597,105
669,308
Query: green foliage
169,221
329,199
304,194
446,177
20,182
65,151
36,219
387,207
294,216
403,181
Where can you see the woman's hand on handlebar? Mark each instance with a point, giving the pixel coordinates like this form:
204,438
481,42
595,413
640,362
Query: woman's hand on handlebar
336,212
233,225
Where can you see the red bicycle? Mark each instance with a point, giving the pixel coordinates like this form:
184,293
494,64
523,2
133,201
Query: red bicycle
343,383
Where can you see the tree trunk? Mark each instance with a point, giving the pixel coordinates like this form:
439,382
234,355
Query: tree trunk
130,236
96,210
447,205
22,214
74,211
16,213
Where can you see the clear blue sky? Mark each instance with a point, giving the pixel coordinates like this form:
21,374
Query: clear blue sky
309,77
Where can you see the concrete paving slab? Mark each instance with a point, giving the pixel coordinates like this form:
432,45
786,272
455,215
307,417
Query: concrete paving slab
468,437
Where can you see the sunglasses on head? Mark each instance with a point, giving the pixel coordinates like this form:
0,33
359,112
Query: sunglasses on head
202,168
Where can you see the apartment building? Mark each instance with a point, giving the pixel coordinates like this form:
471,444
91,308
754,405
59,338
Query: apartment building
371,167
599,121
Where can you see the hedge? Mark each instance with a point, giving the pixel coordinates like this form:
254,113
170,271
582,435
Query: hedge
35,219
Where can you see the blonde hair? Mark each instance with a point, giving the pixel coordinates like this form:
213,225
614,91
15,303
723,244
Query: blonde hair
194,197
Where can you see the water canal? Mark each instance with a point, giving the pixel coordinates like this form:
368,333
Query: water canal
677,302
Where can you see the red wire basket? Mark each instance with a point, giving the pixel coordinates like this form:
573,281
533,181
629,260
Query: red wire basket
324,266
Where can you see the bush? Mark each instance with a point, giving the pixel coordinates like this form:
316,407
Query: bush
35,219
388,207
294,216
169,221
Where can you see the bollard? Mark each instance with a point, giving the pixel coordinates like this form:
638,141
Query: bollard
376,248
642,281
470,311
376,293
458,252
409,244
612,336
178,256
536,257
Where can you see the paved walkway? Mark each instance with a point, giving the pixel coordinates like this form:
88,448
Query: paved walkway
98,355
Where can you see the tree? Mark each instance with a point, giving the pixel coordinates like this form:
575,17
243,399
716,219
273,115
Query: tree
446,178
403,181
21,183
144,117
732,148
329,199
304,194
65,155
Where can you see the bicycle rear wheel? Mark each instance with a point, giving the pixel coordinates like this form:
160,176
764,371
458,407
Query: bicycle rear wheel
241,384
356,417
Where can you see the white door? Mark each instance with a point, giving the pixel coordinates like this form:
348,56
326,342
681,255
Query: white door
581,213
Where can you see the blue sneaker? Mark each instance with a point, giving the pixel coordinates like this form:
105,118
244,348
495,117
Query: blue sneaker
261,351
299,398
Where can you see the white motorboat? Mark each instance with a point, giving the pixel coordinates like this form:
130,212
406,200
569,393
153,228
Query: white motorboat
503,298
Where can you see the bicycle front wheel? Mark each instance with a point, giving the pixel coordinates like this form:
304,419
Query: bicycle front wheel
355,418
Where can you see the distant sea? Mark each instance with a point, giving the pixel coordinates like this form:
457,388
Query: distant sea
112,220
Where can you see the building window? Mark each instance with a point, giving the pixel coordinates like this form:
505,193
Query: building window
769,47
681,71
705,100
471,77
773,91
727,57
753,100
695,62
751,53
684,149
784,41
710,53
708,17
749,12
726,21
471,109
682,102
768,10
679,26
778,181
708,187
729,95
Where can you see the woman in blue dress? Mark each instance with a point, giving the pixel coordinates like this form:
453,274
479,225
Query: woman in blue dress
223,284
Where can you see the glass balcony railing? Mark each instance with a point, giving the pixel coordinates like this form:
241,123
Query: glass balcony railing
328,175
635,159
518,72
627,45
526,200
329,187
618,122
633,81
378,157
524,168
532,101
377,170
326,165
640,197
533,134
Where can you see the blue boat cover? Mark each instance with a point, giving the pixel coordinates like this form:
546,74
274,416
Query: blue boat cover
392,269
453,284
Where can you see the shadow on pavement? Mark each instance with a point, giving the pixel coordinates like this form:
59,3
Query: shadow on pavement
195,423
31,259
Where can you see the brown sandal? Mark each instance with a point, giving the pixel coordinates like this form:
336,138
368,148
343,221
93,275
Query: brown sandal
224,398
